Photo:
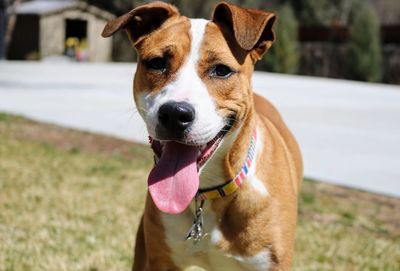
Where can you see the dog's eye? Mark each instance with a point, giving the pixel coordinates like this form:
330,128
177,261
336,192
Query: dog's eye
222,71
157,64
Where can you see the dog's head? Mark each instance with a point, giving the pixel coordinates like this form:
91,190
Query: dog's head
192,84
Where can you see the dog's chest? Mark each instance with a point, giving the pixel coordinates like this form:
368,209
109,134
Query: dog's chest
206,252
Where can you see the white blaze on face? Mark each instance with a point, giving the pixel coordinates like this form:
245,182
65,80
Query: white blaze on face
187,87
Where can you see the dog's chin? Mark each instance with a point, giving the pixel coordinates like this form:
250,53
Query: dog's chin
205,151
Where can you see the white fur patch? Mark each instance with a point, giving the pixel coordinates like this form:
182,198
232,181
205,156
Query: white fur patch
258,185
205,253
252,178
216,236
259,262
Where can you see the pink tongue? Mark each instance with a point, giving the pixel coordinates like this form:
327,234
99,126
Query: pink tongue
174,181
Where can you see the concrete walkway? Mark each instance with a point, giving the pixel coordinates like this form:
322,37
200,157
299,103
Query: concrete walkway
349,132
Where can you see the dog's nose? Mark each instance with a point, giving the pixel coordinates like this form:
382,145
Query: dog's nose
176,116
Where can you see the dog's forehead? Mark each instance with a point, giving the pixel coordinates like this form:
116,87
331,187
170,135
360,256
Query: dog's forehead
183,35
174,33
208,37
197,31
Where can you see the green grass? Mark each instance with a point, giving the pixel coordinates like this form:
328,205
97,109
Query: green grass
343,229
71,200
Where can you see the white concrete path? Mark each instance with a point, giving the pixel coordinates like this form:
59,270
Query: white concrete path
349,132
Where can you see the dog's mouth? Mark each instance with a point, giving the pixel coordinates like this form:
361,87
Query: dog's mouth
174,180
205,151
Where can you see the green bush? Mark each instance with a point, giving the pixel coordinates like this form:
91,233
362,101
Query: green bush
313,12
322,12
365,54
283,57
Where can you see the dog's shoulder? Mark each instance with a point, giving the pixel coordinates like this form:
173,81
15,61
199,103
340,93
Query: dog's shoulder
266,110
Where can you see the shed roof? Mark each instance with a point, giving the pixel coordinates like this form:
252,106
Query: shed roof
45,7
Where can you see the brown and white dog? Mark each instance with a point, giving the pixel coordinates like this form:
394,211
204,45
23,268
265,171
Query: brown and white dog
228,168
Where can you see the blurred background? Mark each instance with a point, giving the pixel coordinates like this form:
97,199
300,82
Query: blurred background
349,39
74,157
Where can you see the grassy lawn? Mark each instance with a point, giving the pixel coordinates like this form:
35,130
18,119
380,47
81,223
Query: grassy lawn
71,200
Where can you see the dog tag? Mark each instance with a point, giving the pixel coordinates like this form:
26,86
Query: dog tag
196,232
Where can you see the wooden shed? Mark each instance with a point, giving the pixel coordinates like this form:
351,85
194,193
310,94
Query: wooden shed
47,28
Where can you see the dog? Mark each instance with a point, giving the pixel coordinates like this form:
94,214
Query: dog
223,192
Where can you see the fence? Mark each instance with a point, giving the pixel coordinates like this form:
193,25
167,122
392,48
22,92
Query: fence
324,51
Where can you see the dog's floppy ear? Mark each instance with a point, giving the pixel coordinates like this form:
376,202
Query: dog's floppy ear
141,20
252,28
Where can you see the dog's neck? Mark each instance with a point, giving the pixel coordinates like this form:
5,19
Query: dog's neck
228,160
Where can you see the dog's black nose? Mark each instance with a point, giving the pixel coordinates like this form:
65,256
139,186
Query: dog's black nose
176,116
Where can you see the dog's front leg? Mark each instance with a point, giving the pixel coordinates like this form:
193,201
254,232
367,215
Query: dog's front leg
151,251
139,261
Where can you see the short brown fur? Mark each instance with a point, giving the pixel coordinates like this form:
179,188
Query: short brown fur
249,222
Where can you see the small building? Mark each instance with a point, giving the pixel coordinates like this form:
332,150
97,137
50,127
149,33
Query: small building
47,28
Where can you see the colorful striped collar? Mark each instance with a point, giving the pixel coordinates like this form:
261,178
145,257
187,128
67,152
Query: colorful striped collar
232,185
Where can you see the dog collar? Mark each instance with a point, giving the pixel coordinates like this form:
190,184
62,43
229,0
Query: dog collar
231,186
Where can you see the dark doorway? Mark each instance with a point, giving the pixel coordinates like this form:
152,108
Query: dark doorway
24,42
76,29
76,43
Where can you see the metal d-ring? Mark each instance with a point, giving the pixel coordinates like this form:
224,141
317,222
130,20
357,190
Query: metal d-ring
196,232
